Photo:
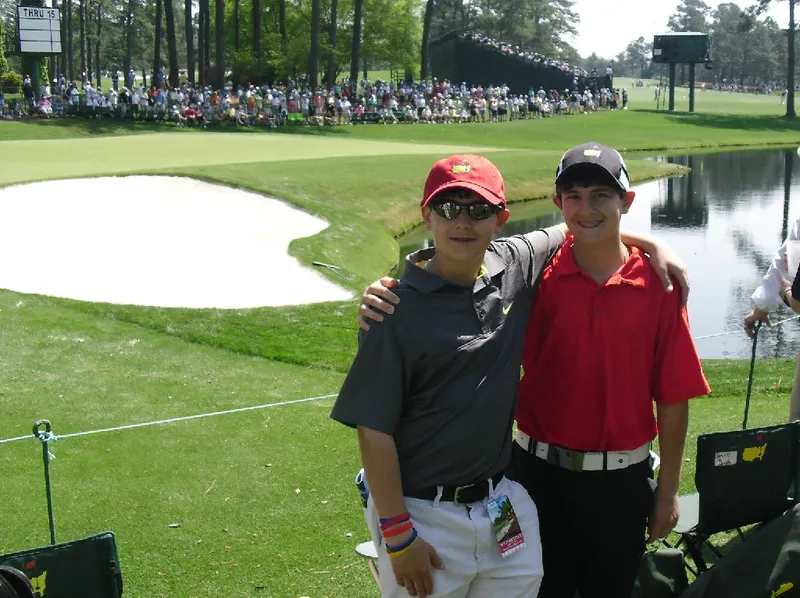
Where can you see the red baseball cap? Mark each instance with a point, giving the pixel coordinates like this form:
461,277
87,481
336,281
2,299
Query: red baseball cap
466,171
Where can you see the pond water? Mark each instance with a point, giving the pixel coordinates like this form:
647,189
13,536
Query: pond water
726,219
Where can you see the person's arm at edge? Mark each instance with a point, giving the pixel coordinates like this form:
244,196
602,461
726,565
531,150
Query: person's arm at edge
767,295
412,569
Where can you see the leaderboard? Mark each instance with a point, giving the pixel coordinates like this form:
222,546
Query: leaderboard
39,30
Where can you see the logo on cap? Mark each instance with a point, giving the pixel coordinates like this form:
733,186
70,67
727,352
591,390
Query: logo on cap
461,168
594,153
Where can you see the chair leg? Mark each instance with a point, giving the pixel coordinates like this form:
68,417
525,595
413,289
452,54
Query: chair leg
694,545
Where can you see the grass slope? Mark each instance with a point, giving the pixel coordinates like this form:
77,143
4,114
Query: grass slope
262,502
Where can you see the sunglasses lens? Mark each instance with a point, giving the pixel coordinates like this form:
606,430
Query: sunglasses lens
449,210
480,211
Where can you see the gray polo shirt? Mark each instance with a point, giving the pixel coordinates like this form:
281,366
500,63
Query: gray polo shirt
441,374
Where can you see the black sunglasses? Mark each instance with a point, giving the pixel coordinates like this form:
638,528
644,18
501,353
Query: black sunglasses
450,210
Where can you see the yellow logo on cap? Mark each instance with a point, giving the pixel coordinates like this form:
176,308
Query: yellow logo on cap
594,153
461,168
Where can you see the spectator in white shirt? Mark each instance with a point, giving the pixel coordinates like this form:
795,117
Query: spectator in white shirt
775,288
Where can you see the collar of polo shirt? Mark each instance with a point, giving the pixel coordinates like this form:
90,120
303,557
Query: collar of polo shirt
426,281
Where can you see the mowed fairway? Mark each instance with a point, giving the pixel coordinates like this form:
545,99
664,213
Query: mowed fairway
261,503
61,158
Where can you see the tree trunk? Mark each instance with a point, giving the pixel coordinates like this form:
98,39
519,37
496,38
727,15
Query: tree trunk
313,58
426,36
790,112
207,38
356,51
257,29
282,25
82,19
172,43
331,75
202,17
89,59
236,22
70,55
219,29
187,7
157,46
57,61
129,32
97,45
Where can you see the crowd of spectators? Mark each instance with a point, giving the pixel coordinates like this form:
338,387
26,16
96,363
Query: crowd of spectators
274,105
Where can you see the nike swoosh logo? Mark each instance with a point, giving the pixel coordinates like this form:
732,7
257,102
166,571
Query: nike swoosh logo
507,308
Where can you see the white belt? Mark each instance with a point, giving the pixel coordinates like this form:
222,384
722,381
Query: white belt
580,461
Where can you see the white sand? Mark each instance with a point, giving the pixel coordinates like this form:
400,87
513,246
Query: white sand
159,241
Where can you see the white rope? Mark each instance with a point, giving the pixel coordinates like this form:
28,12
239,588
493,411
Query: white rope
739,330
280,404
173,420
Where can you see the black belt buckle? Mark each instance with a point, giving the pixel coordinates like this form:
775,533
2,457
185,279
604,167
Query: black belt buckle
465,495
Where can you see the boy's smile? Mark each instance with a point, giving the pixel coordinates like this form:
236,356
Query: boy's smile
593,213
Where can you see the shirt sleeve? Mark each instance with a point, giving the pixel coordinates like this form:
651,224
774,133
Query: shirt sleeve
373,391
531,252
767,296
678,375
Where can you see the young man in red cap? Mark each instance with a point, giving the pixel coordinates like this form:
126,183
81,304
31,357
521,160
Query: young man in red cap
432,393
604,340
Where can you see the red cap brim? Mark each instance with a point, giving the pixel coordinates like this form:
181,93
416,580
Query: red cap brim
470,186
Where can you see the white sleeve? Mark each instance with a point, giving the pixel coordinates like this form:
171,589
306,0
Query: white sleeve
767,296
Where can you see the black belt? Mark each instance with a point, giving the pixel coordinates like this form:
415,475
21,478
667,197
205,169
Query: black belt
461,495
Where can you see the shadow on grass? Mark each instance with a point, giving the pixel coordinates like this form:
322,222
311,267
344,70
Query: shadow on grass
742,122
95,126
89,127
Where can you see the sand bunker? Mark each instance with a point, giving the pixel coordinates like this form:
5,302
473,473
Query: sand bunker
158,241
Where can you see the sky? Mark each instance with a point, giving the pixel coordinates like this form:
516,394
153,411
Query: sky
608,31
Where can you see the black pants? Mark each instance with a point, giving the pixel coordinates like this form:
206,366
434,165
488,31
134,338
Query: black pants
592,525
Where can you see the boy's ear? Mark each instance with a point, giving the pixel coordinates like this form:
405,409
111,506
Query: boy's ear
426,217
502,218
627,200
557,201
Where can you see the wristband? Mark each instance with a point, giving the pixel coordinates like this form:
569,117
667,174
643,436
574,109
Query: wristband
398,529
387,522
402,548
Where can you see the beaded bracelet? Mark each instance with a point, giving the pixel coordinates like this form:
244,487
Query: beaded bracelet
387,522
398,529
395,551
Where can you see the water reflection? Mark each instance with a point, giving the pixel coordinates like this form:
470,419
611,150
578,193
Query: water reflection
726,219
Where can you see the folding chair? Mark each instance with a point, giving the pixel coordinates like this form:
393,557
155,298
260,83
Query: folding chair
743,477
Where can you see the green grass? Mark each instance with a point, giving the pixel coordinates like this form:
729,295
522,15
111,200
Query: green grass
230,481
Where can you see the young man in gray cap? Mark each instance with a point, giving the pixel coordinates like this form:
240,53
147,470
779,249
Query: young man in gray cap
604,343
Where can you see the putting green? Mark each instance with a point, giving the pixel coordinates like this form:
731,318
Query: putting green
70,158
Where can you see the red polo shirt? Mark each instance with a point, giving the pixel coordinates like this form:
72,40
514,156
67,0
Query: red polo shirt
598,355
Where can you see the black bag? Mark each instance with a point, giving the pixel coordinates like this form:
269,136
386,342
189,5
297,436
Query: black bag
661,575
765,565
87,568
